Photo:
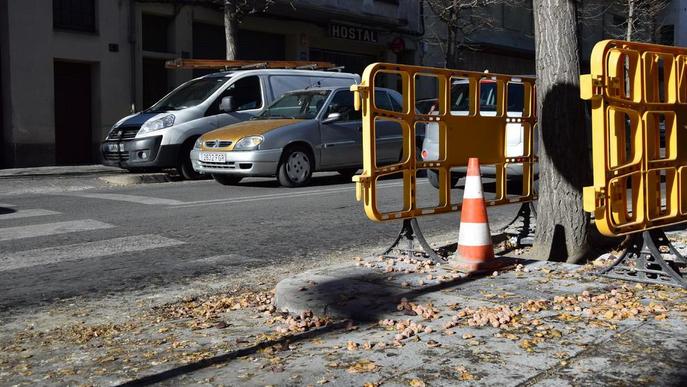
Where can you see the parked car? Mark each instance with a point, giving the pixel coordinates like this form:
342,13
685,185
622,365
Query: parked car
163,135
460,94
302,132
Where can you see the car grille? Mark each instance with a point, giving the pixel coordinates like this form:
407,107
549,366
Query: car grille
123,133
116,156
217,144
229,165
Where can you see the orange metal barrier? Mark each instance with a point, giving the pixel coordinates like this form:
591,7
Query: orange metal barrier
639,114
465,126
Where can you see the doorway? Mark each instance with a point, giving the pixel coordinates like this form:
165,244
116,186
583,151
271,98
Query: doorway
73,113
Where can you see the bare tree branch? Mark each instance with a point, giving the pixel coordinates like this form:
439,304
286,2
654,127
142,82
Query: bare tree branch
462,19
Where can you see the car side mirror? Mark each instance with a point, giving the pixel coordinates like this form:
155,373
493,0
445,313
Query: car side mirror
227,105
332,117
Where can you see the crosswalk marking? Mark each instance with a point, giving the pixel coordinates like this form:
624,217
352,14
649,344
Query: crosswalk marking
294,194
19,232
27,214
73,252
128,198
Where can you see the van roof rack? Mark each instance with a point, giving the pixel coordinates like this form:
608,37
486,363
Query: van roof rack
220,64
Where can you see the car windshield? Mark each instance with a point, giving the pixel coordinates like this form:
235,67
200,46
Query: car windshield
189,94
300,104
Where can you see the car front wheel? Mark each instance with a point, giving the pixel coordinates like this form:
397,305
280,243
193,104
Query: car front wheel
296,167
184,166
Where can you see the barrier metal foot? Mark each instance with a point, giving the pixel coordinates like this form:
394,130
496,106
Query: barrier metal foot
410,233
644,262
524,233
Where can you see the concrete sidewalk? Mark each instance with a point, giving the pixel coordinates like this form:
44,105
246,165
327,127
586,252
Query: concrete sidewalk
392,321
18,181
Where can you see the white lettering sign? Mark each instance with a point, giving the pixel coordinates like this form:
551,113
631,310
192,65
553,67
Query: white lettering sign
340,31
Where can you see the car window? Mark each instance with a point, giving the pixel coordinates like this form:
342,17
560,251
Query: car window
285,83
331,81
487,96
382,100
460,97
342,103
304,104
516,97
246,92
396,100
189,94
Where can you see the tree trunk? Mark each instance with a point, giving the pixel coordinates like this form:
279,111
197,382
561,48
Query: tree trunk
230,28
630,19
451,48
564,163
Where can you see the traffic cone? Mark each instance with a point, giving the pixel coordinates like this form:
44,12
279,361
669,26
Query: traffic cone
475,251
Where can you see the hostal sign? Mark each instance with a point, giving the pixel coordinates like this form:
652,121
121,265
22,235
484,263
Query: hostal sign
342,31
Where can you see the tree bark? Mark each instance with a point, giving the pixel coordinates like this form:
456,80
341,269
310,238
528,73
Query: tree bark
564,156
230,29
630,19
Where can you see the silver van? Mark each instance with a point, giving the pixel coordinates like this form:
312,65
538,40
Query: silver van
163,135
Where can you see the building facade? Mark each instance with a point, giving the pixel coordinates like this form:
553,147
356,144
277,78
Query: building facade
70,69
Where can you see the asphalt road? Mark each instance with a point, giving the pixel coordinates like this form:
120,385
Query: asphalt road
104,240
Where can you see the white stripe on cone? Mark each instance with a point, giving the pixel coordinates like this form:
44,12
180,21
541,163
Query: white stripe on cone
473,188
474,234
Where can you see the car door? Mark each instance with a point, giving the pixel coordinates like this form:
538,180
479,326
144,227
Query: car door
342,144
248,99
389,134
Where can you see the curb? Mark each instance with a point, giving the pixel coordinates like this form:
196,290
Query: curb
132,179
356,291
83,170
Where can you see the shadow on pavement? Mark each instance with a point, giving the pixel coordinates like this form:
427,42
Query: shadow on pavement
332,298
370,300
226,357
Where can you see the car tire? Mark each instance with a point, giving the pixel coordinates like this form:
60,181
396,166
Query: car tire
433,177
296,167
184,167
227,179
348,173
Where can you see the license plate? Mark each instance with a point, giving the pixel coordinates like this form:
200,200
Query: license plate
213,157
112,148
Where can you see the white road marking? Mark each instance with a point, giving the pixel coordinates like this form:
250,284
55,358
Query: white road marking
27,214
73,252
11,233
129,198
296,194
6,205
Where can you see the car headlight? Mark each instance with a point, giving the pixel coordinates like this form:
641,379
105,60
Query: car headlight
198,143
160,123
248,143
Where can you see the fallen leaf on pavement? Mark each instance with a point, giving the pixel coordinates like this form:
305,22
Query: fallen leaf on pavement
362,366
